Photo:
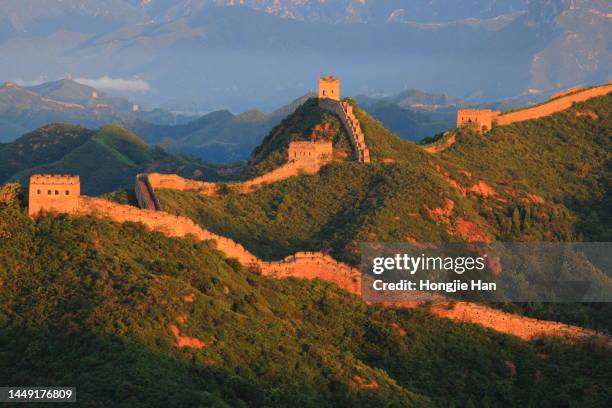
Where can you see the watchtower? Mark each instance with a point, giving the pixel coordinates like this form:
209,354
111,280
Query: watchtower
53,192
329,88
480,120
320,152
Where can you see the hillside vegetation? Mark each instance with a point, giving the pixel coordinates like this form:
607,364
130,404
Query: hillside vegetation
106,160
538,180
543,180
218,137
106,307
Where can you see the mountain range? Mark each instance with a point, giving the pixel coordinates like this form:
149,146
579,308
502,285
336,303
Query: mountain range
220,136
214,54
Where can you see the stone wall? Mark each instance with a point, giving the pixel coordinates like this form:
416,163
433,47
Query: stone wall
303,265
145,194
165,223
59,193
287,170
566,92
176,182
345,111
316,265
554,106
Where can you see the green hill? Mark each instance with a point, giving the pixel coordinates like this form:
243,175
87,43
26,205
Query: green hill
106,160
93,304
543,180
24,109
218,137
538,180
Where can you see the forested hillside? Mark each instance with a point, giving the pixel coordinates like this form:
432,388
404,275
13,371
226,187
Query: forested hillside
133,318
106,159
539,180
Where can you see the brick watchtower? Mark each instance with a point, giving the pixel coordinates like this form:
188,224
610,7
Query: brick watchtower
329,88
52,192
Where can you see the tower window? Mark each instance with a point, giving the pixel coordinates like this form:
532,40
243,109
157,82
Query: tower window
67,192
56,192
48,192
37,191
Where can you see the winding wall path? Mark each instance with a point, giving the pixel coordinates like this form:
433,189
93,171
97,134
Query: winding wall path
316,265
556,105
345,111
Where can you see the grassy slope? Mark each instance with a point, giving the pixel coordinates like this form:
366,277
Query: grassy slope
88,303
272,152
42,146
561,158
105,160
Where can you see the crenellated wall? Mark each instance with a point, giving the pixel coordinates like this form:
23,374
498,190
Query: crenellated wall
557,105
316,265
345,111
307,265
303,265
176,182
483,120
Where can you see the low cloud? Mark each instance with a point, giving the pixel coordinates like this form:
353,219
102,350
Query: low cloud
107,83
22,82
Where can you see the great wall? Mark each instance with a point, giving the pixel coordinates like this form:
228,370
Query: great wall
302,265
52,193
483,120
329,99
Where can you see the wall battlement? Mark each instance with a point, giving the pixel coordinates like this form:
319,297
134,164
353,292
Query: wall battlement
554,106
53,193
329,99
44,179
566,92
350,122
